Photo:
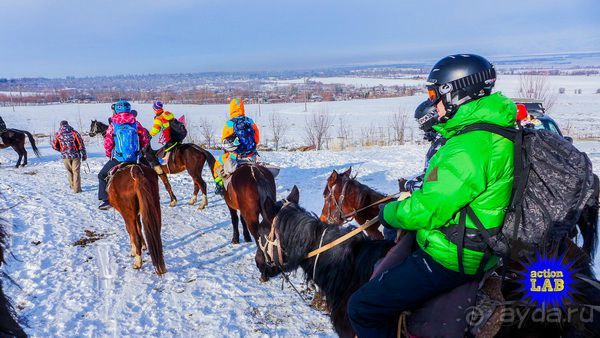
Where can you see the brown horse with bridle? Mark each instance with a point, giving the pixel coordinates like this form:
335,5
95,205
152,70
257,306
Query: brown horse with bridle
16,139
347,199
133,192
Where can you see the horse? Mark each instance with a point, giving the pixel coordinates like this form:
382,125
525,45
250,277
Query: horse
249,186
344,268
15,138
588,221
187,156
97,127
190,157
344,195
9,326
133,192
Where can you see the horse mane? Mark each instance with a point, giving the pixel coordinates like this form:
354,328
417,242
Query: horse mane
341,270
8,322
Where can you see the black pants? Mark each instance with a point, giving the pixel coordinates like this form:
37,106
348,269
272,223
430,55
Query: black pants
102,194
374,308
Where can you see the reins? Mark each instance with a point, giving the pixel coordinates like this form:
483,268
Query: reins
342,239
379,201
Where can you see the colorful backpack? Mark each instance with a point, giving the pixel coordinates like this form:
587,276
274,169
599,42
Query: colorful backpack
242,126
127,142
178,129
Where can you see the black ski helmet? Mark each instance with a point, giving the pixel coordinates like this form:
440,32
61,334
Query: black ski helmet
458,79
426,115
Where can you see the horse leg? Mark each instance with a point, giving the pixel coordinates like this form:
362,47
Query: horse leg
245,231
167,184
196,174
16,148
134,240
234,223
138,224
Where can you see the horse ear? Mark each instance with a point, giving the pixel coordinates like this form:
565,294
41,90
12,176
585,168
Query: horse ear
294,195
347,172
333,177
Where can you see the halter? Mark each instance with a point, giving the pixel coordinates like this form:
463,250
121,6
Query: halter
273,241
331,217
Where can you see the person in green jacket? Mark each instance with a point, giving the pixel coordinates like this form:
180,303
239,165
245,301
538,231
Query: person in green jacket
469,179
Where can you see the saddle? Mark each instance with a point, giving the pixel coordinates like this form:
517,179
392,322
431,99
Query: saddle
120,167
231,166
473,307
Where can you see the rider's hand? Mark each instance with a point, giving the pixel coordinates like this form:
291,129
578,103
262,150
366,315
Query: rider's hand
382,220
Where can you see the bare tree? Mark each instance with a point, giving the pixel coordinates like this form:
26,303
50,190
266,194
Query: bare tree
207,129
343,133
398,123
278,129
536,86
316,129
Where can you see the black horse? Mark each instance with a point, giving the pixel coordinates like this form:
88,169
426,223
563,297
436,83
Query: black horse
8,322
16,139
340,271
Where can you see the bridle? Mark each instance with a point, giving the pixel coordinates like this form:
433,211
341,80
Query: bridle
338,213
273,242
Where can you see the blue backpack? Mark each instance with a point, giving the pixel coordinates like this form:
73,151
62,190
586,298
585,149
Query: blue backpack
242,126
127,142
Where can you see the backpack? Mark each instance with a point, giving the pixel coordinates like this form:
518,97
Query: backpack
127,142
242,126
553,180
178,130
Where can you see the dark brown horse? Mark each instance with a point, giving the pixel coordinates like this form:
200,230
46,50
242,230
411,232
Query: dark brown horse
344,195
9,327
188,157
340,271
16,139
250,186
98,128
133,192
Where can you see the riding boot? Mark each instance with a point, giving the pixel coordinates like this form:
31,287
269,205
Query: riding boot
219,188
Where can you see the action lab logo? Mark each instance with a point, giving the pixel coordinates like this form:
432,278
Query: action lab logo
548,281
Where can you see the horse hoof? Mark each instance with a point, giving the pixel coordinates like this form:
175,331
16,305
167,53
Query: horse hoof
248,239
201,206
192,201
173,203
264,278
137,262
235,241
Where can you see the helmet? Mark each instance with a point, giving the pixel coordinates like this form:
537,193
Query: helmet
158,105
122,106
458,79
521,112
426,115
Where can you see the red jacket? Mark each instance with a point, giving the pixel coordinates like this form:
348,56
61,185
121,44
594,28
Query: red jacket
109,142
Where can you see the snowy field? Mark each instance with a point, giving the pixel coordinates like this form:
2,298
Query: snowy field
212,287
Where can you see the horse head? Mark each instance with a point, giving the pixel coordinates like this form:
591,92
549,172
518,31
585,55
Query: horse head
335,196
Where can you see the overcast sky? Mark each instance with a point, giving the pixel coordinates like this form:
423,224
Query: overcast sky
90,37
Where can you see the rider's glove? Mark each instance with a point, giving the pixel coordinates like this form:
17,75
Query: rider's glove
382,220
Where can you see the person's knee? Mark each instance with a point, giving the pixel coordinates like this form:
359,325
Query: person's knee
356,306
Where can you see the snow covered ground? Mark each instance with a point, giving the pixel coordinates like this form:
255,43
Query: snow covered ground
212,286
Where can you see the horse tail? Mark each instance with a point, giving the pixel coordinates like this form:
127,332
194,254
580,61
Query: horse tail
209,158
146,189
32,141
588,223
266,189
